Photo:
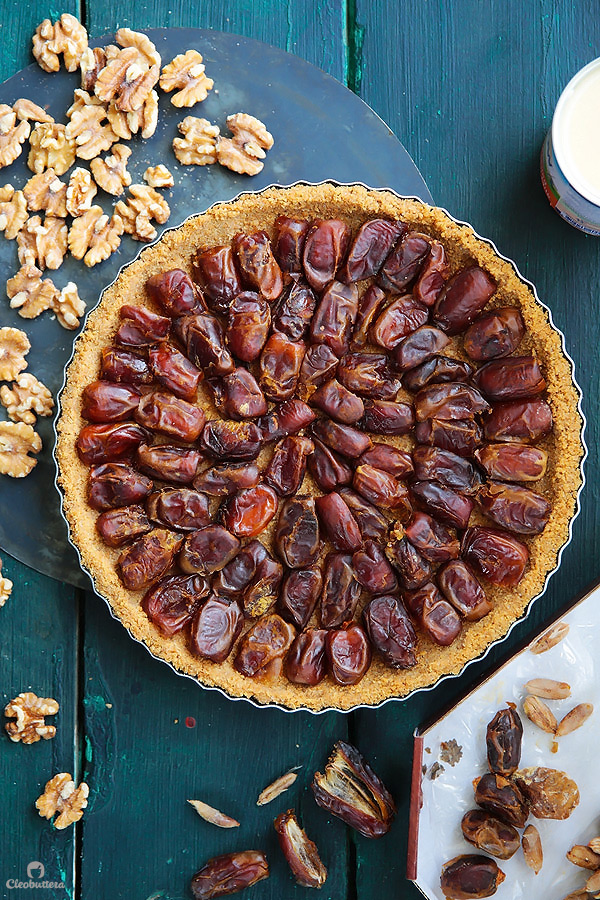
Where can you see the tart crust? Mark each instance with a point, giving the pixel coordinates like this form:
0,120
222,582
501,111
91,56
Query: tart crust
354,204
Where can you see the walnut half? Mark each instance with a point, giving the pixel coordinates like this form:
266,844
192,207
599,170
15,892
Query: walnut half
62,797
143,204
66,36
46,192
28,293
198,146
186,73
26,397
244,151
17,441
29,710
50,148
93,236
12,136
13,211
6,587
14,347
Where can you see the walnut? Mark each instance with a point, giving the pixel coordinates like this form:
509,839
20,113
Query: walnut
158,177
144,119
119,121
14,347
93,236
26,397
62,797
28,293
186,72
81,191
128,79
243,152
27,109
111,172
198,146
143,204
67,36
50,148
44,243
68,306
46,191
85,127
17,441
127,38
13,211
12,136
92,60
29,710
6,587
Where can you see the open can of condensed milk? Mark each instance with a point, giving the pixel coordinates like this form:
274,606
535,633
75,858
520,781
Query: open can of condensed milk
570,158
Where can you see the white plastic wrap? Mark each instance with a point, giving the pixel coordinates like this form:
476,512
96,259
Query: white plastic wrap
576,660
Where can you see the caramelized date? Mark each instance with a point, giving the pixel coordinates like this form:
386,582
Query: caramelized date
238,395
117,526
460,587
306,663
334,318
265,643
388,417
235,577
164,412
215,629
383,490
438,370
432,277
280,363
325,247
205,344
300,852
173,602
232,440
372,523
259,268
462,299
512,462
148,558
328,469
338,402
175,464
339,524
297,534
351,790
433,614
369,306
104,401
215,272
514,507
348,654
289,417
519,421
397,462
140,327
495,554
346,440
221,481
248,512
418,347
397,320
179,508
391,631
341,590
502,798
434,464
370,248
299,594
175,292
294,309
503,740
123,365
319,364
405,262
414,570
372,570
208,550
490,834
495,334
287,466
433,541
470,876
108,443
517,378
248,326
229,873
368,374
263,590
444,503
460,437
174,371
288,243
449,402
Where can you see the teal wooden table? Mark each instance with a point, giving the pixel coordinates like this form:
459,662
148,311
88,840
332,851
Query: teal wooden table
469,87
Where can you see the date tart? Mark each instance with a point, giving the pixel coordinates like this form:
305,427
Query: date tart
319,446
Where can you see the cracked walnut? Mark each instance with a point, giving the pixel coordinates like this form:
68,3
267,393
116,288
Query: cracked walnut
26,397
62,797
198,146
68,306
244,151
186,72
67,36
111,172
94,236
29,710
28,293
50,148
17,441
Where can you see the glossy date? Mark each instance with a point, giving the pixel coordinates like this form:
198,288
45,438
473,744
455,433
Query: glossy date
504,736
172,602
248,326
348,654
105,401
229,873
257,265
341,590
495,554
116,484
168,463
391,632
215,629
297,534
142,562
325,248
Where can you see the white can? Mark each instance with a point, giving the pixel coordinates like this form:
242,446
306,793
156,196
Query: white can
570,158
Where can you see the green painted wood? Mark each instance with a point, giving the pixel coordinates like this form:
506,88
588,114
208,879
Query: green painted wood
470,89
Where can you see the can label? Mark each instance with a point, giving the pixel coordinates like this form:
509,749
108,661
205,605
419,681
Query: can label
563,197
